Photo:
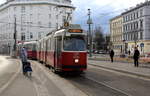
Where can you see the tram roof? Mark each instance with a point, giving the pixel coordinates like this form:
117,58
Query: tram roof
74,26
59,32
29,42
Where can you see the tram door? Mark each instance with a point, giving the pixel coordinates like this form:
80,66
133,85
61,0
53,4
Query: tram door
58,44
46,50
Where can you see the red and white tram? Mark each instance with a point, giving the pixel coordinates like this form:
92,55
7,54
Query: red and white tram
64,50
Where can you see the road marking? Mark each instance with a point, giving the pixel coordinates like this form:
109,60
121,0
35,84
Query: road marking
109,86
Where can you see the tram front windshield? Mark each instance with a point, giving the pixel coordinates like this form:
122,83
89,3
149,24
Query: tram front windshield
74,43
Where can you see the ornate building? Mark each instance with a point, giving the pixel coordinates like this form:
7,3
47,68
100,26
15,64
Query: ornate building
34,19
136,27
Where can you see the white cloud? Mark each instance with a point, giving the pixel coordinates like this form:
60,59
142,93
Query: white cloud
2,1
99,7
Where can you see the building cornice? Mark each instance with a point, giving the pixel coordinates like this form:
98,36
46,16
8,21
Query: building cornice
147,3
117,17
13,3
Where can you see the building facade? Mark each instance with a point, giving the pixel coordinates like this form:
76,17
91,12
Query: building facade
117,34
33,18
136,27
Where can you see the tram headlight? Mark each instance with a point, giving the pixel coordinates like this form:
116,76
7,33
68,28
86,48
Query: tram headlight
76,60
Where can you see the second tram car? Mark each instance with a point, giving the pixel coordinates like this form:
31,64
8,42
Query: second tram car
31,48
64,50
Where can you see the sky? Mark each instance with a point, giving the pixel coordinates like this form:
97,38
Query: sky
101,11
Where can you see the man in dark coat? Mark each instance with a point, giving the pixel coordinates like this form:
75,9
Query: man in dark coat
111,55
136,57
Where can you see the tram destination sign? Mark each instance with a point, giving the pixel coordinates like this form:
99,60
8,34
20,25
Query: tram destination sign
75,30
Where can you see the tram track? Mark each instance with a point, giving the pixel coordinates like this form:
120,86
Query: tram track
107,83
101,83
91,87
95,88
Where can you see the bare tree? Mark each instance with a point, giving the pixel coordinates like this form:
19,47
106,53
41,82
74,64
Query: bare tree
98,38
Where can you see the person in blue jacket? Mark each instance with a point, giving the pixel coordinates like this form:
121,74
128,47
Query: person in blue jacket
23,57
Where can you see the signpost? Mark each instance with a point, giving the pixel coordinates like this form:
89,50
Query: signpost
142,46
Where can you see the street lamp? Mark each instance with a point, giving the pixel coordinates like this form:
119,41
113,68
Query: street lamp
8,48
89,22
15,38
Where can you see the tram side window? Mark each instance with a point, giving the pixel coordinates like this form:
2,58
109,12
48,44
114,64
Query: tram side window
34,47
49,44
59,43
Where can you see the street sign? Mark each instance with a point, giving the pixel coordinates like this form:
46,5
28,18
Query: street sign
142,45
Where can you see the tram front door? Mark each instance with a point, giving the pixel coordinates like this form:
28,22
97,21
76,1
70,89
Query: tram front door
58,44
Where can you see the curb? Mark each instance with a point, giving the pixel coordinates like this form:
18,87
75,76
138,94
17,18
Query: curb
5,86
97,59
122,71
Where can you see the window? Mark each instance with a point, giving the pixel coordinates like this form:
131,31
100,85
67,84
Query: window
141,12
56,8
49,24
74,43
31,35
137,25
49,16
137,15
22,8
15,8
123,19
141,23
133,15
30,16
31,7
39,23
39,15
39,35
22,28
56,16
22,36
50,7
56,25
141,35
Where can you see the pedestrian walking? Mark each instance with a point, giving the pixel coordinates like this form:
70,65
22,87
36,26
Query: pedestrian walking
136,57
111,55
129,52
23,57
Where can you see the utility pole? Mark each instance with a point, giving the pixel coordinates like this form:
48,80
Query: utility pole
89,22
15,38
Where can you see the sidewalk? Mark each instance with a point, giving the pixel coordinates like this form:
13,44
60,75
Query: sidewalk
143,60
142,71
8,71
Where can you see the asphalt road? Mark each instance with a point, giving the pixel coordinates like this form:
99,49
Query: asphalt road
42,83
100,82
8,67
95,81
